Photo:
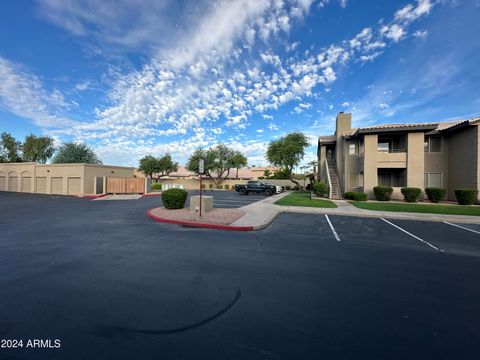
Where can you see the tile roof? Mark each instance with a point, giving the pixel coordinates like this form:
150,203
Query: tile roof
328,138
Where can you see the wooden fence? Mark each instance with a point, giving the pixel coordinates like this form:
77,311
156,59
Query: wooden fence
125,185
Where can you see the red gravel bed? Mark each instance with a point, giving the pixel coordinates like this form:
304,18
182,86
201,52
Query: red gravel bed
216,216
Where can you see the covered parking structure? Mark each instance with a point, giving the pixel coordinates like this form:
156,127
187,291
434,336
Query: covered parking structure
60,179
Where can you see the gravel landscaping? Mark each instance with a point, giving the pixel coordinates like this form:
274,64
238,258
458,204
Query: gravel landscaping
216,216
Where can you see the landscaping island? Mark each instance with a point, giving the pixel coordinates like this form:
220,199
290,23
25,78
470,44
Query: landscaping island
472,210
216,216
303,199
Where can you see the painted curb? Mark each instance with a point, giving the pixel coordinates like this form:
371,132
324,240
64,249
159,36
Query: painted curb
152,194
198,225
92,196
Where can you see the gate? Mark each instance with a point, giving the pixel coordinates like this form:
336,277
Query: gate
125,185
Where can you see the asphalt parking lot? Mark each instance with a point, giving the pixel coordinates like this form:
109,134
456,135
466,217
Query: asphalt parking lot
230,199
112,284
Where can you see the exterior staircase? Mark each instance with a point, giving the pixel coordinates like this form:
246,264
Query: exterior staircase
336,190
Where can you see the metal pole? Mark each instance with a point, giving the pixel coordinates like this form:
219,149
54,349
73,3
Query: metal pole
200,195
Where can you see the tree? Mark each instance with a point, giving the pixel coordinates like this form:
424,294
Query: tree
267,174
287,152
75,153
38,149
10,149
149,165
238,161
166,166
218,162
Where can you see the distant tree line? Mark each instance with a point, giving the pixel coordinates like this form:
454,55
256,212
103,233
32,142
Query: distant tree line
219,161
40,149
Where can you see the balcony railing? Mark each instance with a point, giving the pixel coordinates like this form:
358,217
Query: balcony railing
392,151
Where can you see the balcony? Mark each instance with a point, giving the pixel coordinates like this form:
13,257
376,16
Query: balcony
392,158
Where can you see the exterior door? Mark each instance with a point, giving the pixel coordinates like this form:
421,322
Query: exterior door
330,155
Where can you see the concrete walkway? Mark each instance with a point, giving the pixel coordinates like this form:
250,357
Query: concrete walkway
261,213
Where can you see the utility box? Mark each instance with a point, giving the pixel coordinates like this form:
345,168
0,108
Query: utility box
207,203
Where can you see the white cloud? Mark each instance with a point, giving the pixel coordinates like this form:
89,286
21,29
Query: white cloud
23,94
421,34
214,78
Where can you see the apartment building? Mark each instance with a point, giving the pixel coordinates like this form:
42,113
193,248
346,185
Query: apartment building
443,154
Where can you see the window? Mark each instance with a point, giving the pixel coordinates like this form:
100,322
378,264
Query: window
353,148
385,179
433,144
353,179
384,146
433,180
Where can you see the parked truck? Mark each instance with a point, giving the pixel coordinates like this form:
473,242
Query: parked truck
256,186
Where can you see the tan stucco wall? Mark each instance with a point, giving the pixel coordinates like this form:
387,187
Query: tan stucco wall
463,169
415,159
370,178
86,173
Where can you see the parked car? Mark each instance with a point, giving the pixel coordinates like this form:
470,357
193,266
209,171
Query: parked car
256,186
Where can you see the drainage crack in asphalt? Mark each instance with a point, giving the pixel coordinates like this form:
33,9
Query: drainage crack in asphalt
111,331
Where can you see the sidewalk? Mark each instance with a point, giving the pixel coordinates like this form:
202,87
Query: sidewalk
261,213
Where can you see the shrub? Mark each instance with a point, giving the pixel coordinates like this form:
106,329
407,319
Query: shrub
227,187
219,187
466,196
174,198
156,186
411,194
382,193
320,188
435,194
296,188
203,186
210,186
288,187
357,196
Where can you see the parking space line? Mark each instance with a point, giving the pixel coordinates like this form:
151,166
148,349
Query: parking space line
461,227
414,236
331,227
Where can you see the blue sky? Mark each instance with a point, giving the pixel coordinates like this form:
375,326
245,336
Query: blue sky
131,78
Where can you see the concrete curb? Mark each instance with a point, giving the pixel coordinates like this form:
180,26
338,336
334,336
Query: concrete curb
198,225
386,215
92,196
152,194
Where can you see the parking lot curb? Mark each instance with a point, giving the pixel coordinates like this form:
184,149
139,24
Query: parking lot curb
152,194
198,225
93,196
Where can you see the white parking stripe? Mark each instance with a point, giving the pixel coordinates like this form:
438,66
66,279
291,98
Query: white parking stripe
333,229
414,236
462,227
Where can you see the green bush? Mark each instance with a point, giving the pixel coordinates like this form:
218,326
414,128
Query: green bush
227,187
281,174
382,193
156,186
357,196
296,188
320,188
174,198
210,186
288,187
435,194
219,187
203,186
466,196
411,194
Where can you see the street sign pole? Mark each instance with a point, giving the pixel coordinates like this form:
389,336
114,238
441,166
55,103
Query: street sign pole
201,169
